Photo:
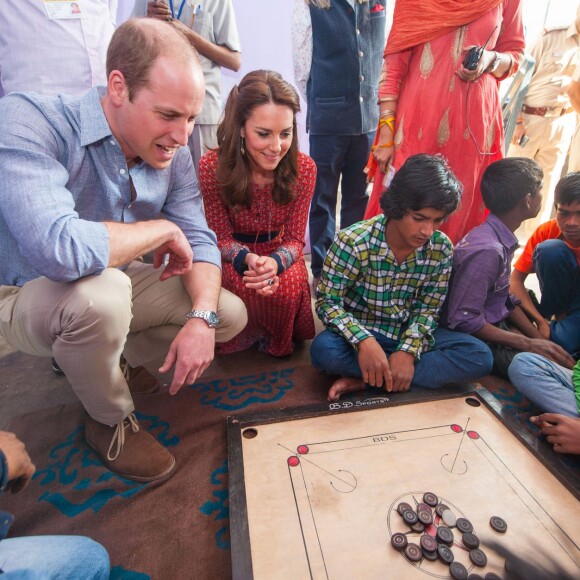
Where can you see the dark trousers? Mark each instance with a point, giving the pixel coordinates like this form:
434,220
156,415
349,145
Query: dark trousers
338,158
559,276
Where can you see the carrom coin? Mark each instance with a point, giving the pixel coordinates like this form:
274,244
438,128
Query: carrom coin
428,543
444,535
478,558
431,556
464,525
399,541
445,554
413,552
458,571
403,507
474,576
410,517
498,524
425,517
470,541
440,509
449,518
430,499
492,576
423,507
418,527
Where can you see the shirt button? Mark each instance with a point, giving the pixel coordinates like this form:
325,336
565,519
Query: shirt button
361,99
465,313
361,53
130,206
357,31
361,78
111,142
122,171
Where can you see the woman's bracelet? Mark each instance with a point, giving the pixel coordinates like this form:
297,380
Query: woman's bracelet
382,146
386,113
389,121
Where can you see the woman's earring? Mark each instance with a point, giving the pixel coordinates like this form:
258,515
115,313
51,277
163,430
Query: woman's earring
242,148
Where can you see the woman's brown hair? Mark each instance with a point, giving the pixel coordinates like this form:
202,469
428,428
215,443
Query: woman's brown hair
257,88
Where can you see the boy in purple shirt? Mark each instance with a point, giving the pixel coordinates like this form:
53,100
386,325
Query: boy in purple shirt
479,301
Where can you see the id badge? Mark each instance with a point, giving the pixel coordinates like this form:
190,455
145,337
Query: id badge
59,10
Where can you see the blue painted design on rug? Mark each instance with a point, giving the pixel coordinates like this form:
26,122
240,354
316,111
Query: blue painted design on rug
87,483
219,506
238,392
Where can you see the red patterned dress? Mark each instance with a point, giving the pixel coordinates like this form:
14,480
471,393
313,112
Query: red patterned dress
273,321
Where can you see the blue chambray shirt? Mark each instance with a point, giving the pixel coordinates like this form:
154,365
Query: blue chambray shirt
62,173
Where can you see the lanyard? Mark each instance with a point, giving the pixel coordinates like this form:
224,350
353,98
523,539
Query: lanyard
179,11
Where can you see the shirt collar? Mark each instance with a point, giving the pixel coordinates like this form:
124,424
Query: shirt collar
420,254
94,125
504,234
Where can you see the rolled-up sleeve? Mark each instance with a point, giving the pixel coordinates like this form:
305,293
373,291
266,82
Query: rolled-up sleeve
37,208
472,281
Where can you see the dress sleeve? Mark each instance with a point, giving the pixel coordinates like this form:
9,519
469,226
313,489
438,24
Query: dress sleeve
511,35
295,227
217,213
393,74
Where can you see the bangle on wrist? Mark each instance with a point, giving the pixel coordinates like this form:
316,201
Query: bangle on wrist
494,63
382,146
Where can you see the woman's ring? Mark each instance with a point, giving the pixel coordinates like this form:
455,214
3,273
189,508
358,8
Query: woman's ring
270,282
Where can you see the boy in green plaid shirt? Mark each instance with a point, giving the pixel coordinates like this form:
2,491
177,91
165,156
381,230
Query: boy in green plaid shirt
382,286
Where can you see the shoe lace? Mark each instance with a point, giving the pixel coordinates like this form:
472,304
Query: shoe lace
126,369
118,439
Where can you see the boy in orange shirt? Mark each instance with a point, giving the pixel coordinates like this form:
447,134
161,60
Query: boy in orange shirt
553,253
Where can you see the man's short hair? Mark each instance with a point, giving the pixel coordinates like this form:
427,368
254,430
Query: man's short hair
422,181
506,182
138,43
568,189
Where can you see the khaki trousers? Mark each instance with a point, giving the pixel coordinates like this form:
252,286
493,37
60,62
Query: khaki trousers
87,324
574,158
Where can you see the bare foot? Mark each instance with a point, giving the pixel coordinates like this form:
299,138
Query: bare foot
344,385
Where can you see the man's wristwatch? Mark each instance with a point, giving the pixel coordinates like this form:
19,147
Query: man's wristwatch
209,316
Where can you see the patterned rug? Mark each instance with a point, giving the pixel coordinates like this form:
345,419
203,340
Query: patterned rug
178,529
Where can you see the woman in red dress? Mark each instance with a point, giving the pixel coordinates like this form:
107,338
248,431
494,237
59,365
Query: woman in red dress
256,190
431,103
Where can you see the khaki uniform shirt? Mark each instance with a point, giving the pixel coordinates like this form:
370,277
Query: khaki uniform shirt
557,55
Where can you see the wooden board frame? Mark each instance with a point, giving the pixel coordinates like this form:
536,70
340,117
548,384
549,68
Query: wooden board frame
236,424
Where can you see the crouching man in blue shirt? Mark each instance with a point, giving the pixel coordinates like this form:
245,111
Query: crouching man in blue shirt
90,184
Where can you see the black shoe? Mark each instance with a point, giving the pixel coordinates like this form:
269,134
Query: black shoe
55,367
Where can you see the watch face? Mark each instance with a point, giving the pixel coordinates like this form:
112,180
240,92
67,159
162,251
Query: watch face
212,319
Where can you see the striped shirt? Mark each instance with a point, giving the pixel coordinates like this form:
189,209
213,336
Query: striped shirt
362,287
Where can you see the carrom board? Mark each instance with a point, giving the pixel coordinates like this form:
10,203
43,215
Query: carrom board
314,493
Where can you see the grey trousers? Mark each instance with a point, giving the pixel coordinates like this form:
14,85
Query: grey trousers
87,324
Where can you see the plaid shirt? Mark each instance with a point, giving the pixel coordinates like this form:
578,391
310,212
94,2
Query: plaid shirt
362,287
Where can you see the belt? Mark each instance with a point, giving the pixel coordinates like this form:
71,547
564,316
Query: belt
546,111
255,238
